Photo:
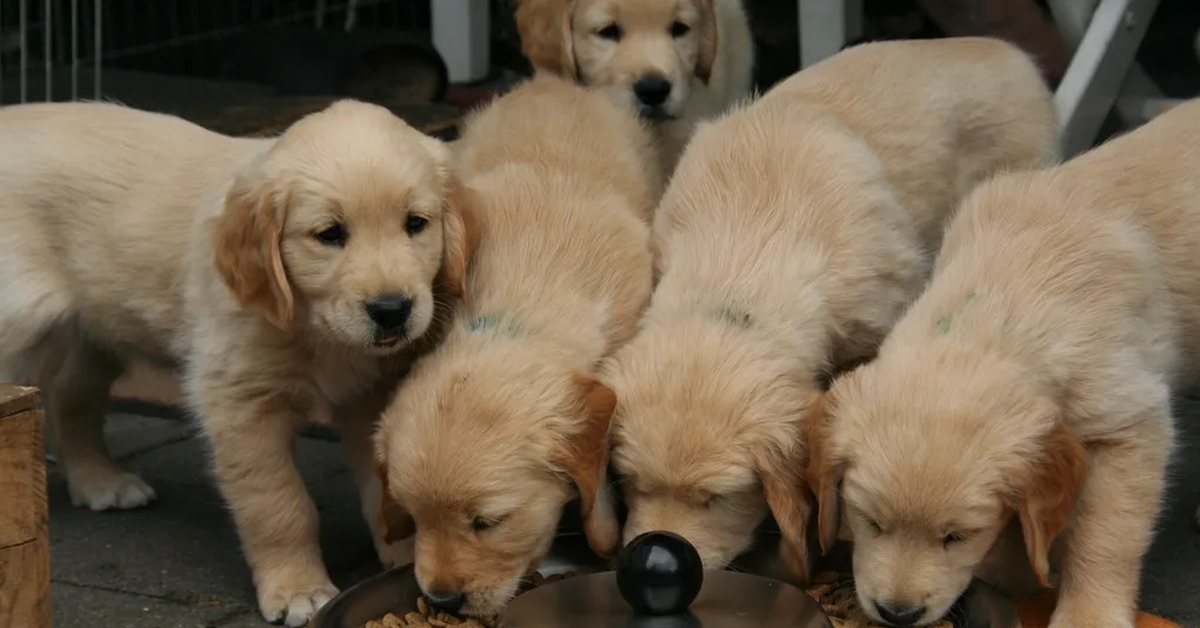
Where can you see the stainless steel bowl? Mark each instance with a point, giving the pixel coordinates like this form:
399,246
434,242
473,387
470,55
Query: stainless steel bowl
396,591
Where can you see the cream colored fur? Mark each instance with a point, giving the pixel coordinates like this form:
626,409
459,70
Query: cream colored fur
793,234
504,423
136,236
709,66
1029,385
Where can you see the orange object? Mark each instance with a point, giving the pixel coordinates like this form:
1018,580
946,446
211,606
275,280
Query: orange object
1035,613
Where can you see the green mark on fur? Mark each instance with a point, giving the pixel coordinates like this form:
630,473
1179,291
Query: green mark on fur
943,323
488,323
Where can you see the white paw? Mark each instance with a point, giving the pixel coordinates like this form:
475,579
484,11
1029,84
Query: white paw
295,607
110,490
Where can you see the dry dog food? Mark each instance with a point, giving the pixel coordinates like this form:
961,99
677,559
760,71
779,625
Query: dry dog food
839,602
426,617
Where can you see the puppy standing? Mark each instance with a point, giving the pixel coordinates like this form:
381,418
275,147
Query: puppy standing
484,441
286,278
793,234
677,61
1030,383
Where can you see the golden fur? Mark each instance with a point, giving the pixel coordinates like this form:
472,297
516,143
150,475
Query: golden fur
504,423
137,236
793,234
1029,385
702,48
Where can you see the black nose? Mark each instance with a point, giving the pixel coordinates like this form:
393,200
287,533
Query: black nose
897,615
390,311
652,90
449,601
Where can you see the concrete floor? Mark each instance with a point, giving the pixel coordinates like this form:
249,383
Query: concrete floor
177,564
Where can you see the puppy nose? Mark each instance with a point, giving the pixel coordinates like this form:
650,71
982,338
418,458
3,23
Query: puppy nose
449,601
652,90
390,311
897,615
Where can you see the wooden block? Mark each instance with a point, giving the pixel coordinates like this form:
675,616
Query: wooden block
25,583
24,515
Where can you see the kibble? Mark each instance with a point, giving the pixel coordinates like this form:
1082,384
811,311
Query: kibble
838,600
428,617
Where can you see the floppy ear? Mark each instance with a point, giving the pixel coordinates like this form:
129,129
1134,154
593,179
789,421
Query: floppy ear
245,243
460,236
1048,495
395,523
546,39
707,55
783,484
586,462
822,472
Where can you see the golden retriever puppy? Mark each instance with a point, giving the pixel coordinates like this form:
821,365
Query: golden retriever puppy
677,61
1029,383
504,423
287,278
792,235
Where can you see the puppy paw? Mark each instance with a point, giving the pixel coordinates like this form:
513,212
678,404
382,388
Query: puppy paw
1092,618
294,605
109,489
392,555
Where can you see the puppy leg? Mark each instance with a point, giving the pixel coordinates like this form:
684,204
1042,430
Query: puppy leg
356,440
1114,525
31,309
76,380
253,435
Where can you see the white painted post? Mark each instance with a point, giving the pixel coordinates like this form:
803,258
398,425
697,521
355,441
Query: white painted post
462,35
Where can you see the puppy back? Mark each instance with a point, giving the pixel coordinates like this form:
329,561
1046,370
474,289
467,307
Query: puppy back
550,122
943,115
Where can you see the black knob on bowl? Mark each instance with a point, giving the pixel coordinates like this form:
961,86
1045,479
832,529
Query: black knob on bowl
659,573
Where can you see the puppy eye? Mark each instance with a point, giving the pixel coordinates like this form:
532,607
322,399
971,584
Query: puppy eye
954,537
708,500
679,29
415,224
612,32
875,527
479,524
333,235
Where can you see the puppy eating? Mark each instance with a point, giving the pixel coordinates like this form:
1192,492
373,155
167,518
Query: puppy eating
677,61
503,424
1029,384
286,280
792,235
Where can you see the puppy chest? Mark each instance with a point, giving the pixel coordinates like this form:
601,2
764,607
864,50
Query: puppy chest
339,380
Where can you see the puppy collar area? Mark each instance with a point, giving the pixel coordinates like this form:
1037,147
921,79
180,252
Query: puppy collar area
492,324
734,317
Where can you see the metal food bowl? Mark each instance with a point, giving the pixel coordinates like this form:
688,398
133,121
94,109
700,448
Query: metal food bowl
396,591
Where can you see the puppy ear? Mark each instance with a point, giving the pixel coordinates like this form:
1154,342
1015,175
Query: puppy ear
245,241
783,484
1046,500
395,524
586,462
544,27
823,473
707,55
460,236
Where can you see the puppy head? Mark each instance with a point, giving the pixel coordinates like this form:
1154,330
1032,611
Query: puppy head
706,439
933,458
648,52
484,449
342,228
